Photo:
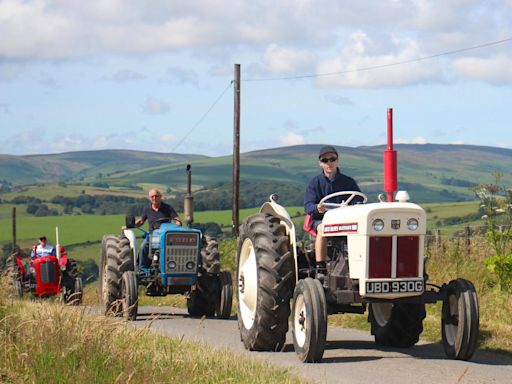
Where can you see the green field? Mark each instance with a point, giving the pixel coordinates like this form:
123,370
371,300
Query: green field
77,229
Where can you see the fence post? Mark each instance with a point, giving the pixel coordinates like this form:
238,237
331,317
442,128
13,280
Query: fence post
467,239
437,238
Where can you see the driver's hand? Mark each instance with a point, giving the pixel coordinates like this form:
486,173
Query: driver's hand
124,227
321,208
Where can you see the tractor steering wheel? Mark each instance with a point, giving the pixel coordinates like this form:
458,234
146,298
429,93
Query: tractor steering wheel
351,195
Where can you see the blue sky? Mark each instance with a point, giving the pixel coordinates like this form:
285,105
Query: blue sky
156,75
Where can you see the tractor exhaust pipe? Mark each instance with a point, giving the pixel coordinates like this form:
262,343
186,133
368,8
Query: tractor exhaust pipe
57,244
188,204
390,162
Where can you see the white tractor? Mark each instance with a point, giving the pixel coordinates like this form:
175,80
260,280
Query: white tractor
375,262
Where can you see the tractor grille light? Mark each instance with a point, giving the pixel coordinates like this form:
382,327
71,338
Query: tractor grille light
378,225
190,265
412,224
172,265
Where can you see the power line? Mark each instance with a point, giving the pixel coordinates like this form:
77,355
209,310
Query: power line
371,68
203,116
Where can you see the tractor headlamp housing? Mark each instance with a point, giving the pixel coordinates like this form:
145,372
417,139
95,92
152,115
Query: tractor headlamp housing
412,224
190,265
378,225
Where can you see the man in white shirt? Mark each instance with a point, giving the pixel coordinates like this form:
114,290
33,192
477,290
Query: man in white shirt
42,249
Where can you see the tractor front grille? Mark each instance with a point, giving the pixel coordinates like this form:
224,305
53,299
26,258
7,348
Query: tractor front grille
182,251
48,271
393,257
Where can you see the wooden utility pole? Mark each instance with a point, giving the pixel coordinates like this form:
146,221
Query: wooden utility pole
236,151
14,229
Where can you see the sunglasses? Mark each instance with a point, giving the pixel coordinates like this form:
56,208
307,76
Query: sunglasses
154,196
329,160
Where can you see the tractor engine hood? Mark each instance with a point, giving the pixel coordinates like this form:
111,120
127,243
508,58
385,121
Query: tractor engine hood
378,219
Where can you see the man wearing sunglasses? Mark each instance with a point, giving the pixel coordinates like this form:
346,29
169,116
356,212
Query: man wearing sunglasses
156,213
331,180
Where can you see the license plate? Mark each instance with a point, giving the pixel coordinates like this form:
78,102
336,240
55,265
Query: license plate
402,286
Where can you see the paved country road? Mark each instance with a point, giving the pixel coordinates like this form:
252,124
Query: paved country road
351,356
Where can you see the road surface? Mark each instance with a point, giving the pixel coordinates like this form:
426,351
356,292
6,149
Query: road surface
351,356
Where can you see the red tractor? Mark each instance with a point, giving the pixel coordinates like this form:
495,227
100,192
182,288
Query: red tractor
45,276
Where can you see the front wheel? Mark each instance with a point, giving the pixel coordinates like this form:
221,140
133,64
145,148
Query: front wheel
129,295
309,325
460,320
225,299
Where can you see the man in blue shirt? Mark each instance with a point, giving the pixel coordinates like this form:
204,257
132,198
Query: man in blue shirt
329,181
156,213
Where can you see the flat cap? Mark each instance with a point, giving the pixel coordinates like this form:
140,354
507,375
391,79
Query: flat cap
327,149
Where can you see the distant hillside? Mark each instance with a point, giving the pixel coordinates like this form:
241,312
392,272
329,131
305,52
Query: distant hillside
430,172
73,166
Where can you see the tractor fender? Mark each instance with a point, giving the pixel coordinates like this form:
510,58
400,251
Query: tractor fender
130,235
277,210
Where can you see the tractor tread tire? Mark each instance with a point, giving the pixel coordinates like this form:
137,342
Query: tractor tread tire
116,259
202,301
275,282
13,278
68,282
403,328
210,256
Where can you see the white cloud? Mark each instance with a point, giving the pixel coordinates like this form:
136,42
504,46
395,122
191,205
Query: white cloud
286,60
291,139
495,70
360,64
154,106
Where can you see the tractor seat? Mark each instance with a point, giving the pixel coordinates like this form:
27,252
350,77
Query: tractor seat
308,226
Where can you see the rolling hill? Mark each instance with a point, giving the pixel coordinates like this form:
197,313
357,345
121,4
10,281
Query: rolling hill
73,166
430,172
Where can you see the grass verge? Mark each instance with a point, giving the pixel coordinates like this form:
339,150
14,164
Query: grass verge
45,342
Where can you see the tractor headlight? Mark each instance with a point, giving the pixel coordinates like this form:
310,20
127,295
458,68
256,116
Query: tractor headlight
172,265
412,224
190,265
378,225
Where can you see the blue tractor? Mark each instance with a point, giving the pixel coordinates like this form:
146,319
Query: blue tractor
184,261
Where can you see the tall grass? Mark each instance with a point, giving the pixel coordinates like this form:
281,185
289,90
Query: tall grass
45,342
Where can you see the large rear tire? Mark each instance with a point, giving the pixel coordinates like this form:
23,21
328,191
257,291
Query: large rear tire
396,325
210,256
116,259
225,299
73,290
309,325
460,320
129,295
265,280
13,278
